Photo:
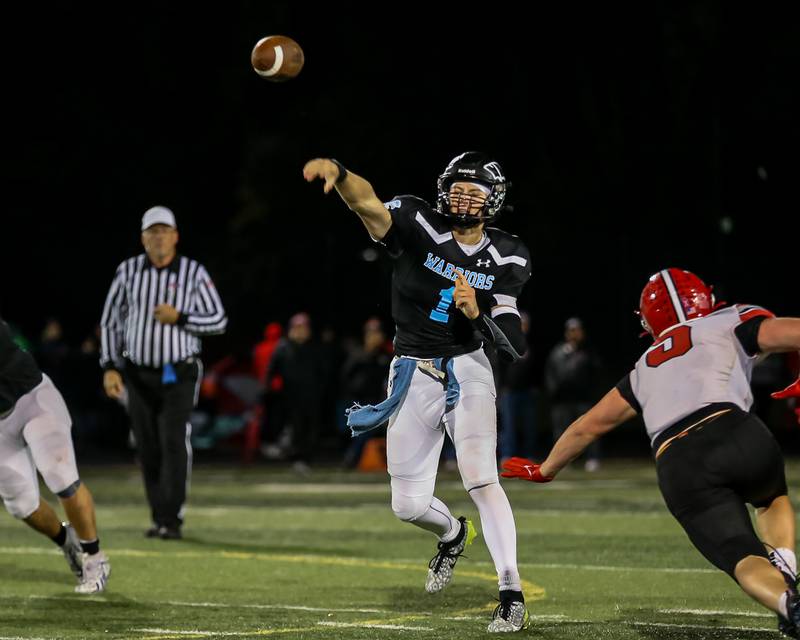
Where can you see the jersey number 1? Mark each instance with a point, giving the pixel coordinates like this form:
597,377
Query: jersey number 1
674,344
439,314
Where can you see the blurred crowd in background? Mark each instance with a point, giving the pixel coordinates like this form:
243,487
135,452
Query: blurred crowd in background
285,401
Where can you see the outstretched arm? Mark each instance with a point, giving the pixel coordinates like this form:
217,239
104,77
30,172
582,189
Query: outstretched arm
779,334
356,192
610,412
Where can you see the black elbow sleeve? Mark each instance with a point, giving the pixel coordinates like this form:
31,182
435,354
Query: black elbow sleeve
505,333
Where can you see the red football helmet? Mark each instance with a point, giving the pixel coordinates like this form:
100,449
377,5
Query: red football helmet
672,296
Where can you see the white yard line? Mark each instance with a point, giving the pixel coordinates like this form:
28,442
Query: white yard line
282,607
68,598
196,633
700,626
405,563
217,605
711,612
374,625
179,632
393,627
534,590
596,567
555,617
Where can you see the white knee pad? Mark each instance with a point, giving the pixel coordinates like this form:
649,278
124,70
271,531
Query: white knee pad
50,441
473,427
20,491
60,476
22,505
19,486
477,460
409,508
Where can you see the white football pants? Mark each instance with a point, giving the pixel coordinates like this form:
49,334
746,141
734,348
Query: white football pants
413,446
35,435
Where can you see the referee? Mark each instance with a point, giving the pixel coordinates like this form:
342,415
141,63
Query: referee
159,305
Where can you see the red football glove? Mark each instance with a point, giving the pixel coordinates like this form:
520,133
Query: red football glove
524,469
792,391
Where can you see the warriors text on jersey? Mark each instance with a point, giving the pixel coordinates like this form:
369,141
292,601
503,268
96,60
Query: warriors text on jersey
694,364
426,259
18,371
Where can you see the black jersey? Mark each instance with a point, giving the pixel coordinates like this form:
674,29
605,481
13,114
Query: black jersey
426,258
18,371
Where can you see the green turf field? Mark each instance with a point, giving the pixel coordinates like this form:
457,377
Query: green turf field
270,554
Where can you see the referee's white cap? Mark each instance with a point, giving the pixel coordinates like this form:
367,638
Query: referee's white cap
158,215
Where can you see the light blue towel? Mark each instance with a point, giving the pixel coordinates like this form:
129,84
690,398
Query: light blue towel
361,419
453,389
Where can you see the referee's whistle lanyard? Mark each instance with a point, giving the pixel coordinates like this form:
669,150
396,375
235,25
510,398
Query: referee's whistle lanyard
168,375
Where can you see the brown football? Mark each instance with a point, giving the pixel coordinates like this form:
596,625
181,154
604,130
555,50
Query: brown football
277,58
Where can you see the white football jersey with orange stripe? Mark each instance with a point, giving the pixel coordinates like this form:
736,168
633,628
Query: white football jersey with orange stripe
694,364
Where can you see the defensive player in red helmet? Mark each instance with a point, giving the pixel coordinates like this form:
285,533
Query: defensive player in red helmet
692,388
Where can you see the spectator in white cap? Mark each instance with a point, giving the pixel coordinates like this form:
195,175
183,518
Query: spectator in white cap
159,306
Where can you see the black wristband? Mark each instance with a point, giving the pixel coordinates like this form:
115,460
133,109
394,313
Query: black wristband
477,321
342,171
479,324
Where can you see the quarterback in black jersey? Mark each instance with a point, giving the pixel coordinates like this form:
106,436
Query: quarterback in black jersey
35,436
455,285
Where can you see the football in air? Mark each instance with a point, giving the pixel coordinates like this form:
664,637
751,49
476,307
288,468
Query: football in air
277,58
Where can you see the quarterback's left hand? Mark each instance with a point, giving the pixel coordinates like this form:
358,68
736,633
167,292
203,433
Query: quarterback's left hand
524,469
792,391
464,297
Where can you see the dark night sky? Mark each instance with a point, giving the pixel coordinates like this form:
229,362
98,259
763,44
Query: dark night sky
629,137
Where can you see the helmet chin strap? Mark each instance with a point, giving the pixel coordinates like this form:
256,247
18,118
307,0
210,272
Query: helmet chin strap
466,224
465,220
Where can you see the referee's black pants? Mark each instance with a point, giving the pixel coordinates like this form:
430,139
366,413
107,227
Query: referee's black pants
160,420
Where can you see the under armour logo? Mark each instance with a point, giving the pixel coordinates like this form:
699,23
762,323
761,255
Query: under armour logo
487,261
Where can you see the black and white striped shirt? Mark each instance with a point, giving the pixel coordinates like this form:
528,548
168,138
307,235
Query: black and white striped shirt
129,329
